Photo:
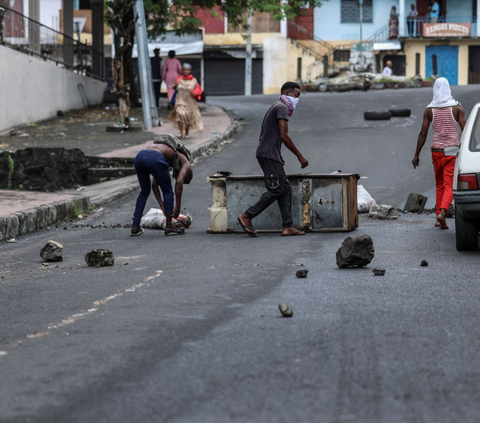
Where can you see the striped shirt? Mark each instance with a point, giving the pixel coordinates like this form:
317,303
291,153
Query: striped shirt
445,128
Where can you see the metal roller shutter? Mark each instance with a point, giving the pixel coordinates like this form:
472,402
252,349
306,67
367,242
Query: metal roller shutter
227,76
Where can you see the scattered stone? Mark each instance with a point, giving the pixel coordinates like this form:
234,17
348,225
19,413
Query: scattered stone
286,312
12,132
59,113
378,271
100,258
355,251
301,273
415,203
424,263
52,251
383,212
125,263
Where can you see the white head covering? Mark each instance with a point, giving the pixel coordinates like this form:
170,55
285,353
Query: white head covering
442,95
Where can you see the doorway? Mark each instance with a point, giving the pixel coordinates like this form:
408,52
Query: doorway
442,61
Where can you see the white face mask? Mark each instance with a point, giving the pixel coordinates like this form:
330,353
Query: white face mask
291,102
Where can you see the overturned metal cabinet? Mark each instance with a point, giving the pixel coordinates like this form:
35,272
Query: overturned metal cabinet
320,202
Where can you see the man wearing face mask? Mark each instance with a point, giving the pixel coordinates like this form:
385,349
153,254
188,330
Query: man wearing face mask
273,134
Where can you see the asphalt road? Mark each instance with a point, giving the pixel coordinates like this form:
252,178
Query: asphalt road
189,329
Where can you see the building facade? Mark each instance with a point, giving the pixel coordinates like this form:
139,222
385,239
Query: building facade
426,45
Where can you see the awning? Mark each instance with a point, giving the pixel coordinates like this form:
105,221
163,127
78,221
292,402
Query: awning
388,45
181,49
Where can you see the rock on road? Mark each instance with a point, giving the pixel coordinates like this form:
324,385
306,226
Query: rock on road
190,331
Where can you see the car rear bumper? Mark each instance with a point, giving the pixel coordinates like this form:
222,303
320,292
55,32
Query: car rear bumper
467,203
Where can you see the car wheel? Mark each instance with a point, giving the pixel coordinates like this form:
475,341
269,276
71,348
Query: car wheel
370,115
400,112
466,233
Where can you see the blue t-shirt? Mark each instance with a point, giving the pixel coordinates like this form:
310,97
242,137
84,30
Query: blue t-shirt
435,11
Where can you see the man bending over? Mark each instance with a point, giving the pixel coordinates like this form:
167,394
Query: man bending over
156,160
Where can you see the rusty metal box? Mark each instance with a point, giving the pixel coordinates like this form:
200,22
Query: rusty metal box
320,202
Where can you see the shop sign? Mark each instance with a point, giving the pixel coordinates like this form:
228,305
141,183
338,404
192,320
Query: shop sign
444,29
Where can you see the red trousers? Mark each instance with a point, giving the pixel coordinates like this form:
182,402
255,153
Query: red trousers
444,168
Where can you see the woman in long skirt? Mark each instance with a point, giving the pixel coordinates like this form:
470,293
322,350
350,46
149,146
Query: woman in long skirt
185,115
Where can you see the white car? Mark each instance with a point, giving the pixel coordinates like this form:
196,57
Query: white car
466,184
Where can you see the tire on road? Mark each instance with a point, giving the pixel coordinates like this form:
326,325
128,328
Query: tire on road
371,115
466,233
400,112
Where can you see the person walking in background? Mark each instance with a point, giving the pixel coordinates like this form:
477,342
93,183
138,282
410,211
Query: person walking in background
435,12
387,70
411,19
171,69
156,65
445,114
185,114
273,134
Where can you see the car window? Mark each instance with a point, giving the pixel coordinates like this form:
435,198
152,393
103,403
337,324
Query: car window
474,144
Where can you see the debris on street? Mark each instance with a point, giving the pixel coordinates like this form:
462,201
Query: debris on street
383,212
355,251
155,219
52,251
100,258
378,271
285,310
424,263
364,200
415,203
301,273
12,240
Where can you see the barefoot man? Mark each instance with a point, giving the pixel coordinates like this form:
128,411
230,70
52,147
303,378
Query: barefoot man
273,134
445,114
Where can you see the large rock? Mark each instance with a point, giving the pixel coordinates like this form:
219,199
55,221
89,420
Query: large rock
52,251
355,251
383,212
100,258
415,203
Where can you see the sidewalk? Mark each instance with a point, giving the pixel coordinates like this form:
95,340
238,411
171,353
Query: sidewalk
22,212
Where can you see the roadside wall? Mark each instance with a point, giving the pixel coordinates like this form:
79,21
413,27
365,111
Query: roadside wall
33,89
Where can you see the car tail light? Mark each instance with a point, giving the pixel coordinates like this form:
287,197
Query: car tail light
467,181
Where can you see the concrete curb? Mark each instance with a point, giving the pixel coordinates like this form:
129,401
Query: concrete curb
38,218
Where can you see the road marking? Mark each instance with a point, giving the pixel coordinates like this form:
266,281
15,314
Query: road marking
74,317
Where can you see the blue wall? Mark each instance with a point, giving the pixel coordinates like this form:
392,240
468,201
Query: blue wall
327,24
459,8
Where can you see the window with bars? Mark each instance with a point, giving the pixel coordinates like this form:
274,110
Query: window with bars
350,11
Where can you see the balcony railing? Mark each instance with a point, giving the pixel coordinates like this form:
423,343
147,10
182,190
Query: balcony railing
31,37
426,27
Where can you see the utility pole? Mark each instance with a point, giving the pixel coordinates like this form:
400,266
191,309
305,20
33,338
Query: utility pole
150,114
248,58
361,20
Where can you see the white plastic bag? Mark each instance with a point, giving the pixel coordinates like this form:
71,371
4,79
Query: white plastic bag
364,200
155,219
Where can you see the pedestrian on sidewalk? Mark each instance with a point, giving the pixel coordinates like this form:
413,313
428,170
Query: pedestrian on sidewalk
273,134
445,114
156,65
185,115
156,160
171,69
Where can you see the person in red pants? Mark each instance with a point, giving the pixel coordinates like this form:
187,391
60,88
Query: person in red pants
444,113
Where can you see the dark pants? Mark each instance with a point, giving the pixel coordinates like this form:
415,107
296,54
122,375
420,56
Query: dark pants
151,162
156,88
410,25
278,189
